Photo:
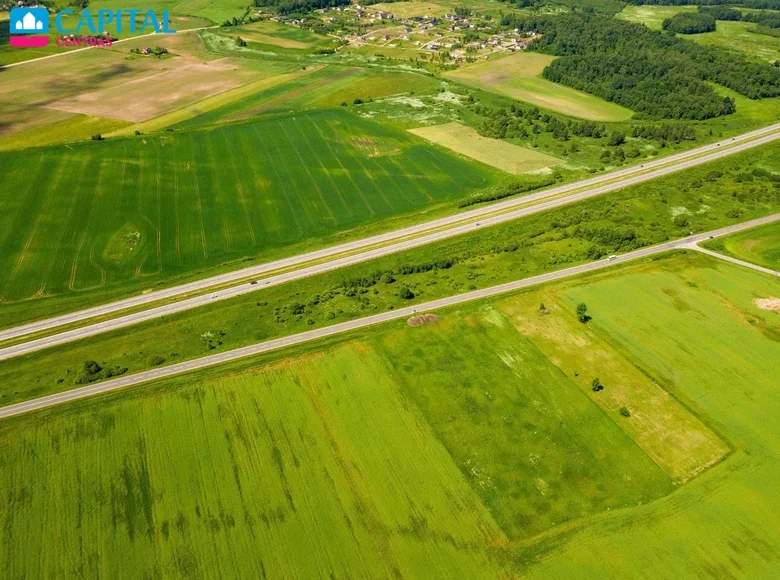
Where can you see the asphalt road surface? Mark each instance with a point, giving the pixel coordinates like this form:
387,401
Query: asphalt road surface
232,355
725,258
444,228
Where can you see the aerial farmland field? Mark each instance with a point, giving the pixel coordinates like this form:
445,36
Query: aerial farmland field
161,205
738,36
326,289
519,76
313,467
461,444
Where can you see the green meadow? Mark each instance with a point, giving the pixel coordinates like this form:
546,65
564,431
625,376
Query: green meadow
737,36
760,245
519,76
472,446
689,323
140,210
310,468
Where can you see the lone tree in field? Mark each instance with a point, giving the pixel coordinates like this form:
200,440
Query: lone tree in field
624,412
406,294
596,385
582,312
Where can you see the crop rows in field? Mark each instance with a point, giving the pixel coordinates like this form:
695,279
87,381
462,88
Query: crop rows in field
88,216
436,451
314,468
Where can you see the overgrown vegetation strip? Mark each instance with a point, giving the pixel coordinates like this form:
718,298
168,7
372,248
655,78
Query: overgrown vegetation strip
130,380
403,238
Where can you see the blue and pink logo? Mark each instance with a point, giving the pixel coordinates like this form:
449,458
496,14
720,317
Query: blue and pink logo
29,27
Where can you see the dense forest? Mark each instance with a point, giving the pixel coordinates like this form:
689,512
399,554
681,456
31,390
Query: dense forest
648,71
299,6
756,4
768,19
689,23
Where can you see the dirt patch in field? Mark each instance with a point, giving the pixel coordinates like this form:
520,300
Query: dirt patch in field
144,98
771,304
422,319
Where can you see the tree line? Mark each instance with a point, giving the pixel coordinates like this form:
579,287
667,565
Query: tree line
755,4
690,23
648,71
299,6
768,19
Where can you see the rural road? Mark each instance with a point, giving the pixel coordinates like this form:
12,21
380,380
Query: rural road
232,355
698,248
373,247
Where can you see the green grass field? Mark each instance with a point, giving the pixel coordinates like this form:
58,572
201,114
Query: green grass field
759,246
311,468
535,449
457,449
654,16
735,36
195,199
519,76
269,35
690,324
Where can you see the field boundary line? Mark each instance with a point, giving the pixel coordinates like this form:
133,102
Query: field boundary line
75,263
240,189
336,329
294,215
198,204
139,197
291,181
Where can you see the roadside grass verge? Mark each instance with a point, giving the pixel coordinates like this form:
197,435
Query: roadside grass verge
760,246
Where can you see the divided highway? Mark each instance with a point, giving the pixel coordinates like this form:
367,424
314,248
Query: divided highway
311,263
239,353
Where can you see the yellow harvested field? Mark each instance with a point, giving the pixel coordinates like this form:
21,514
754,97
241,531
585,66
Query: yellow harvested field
494,152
